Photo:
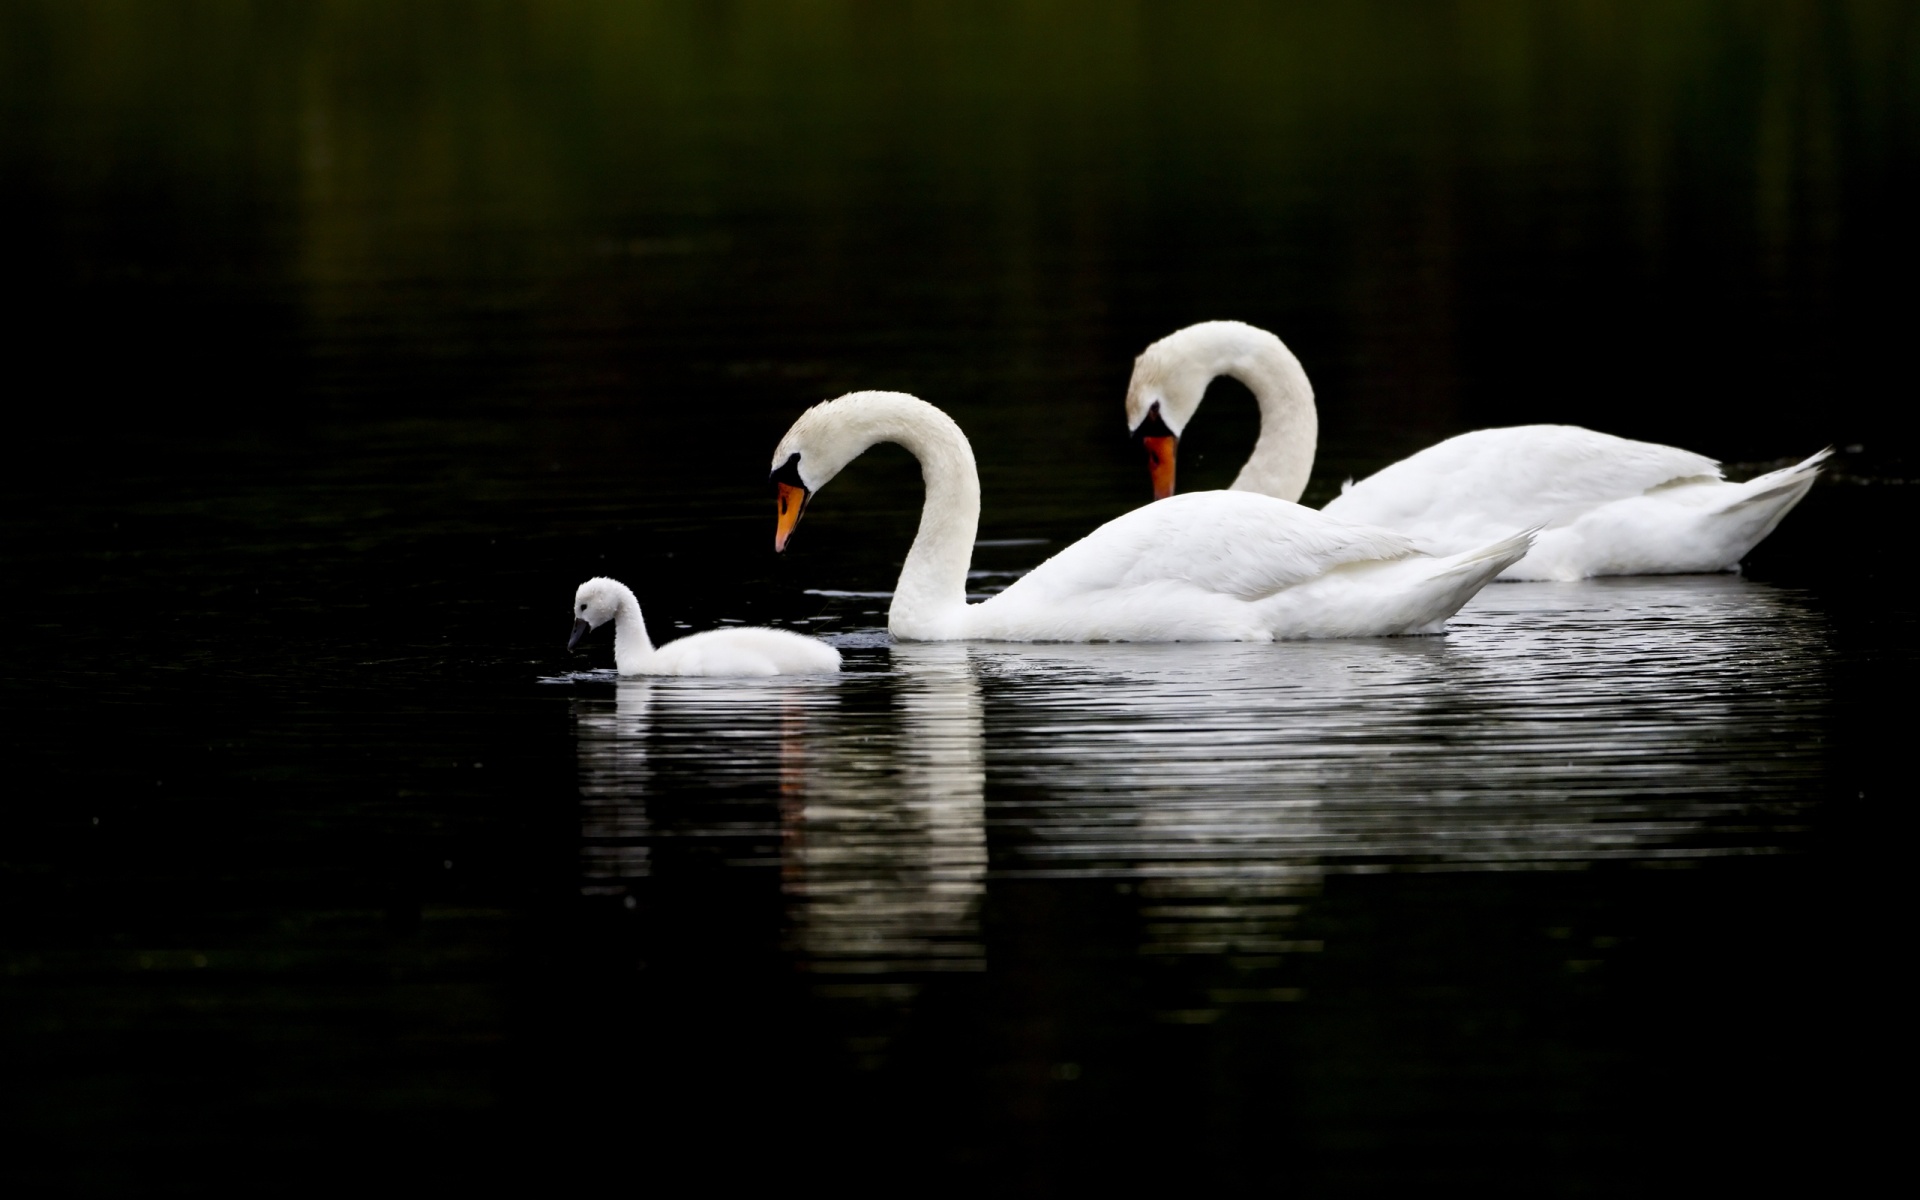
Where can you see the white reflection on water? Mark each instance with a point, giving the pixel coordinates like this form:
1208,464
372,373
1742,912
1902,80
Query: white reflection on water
612,741
1557,725
885,848
1653,720
882,835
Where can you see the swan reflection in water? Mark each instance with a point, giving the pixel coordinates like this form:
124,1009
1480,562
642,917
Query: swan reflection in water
1660,720
882,837
884,831
1655,720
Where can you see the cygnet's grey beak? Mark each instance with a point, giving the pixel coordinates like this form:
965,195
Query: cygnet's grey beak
580,628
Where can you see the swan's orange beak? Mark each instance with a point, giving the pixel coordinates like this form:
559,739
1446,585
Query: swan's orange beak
1160,463
792,501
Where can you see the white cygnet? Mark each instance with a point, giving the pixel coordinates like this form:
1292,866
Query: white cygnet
738,652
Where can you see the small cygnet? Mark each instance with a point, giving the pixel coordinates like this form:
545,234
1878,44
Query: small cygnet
744,651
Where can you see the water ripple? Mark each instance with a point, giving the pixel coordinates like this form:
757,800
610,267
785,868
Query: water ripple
1651,721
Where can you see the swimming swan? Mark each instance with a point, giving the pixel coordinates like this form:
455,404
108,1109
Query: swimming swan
718,652
1207,566
1605,505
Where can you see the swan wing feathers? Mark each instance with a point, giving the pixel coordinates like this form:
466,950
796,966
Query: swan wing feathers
1522,476
1226,543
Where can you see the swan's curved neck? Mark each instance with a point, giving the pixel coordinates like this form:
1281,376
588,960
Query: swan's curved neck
1282,458
930,601
631,645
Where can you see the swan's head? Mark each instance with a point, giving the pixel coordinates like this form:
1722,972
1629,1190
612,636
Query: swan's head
594,604
1169,379
827,437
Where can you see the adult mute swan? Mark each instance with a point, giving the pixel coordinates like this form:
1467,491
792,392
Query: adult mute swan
718,652
1208,566
1604,505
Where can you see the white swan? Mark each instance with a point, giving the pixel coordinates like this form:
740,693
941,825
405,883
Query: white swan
1210,566
748,650
1605,505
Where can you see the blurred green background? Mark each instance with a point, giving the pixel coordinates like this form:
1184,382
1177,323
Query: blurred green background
1675,219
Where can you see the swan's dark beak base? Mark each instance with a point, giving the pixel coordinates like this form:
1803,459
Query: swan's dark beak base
1160,452
1160,442
580,628
792,502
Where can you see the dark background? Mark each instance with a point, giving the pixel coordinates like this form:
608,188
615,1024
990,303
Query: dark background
345,337
237,225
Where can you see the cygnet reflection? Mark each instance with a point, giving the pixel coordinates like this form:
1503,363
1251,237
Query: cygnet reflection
611,741
879,780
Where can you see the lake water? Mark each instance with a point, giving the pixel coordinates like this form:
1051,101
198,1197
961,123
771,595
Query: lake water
356,338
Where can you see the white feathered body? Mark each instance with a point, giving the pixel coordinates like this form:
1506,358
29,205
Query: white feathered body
1206,566
750,650
745,651
1236,566
1604,505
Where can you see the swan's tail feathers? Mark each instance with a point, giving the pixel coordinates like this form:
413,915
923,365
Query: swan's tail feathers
1751,510
1456,579
1490,560
1788,484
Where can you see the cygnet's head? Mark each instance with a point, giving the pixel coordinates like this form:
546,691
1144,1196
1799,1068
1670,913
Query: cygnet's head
832,434
594,604
1171,376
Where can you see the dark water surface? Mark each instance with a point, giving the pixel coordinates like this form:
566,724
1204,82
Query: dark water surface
349,338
